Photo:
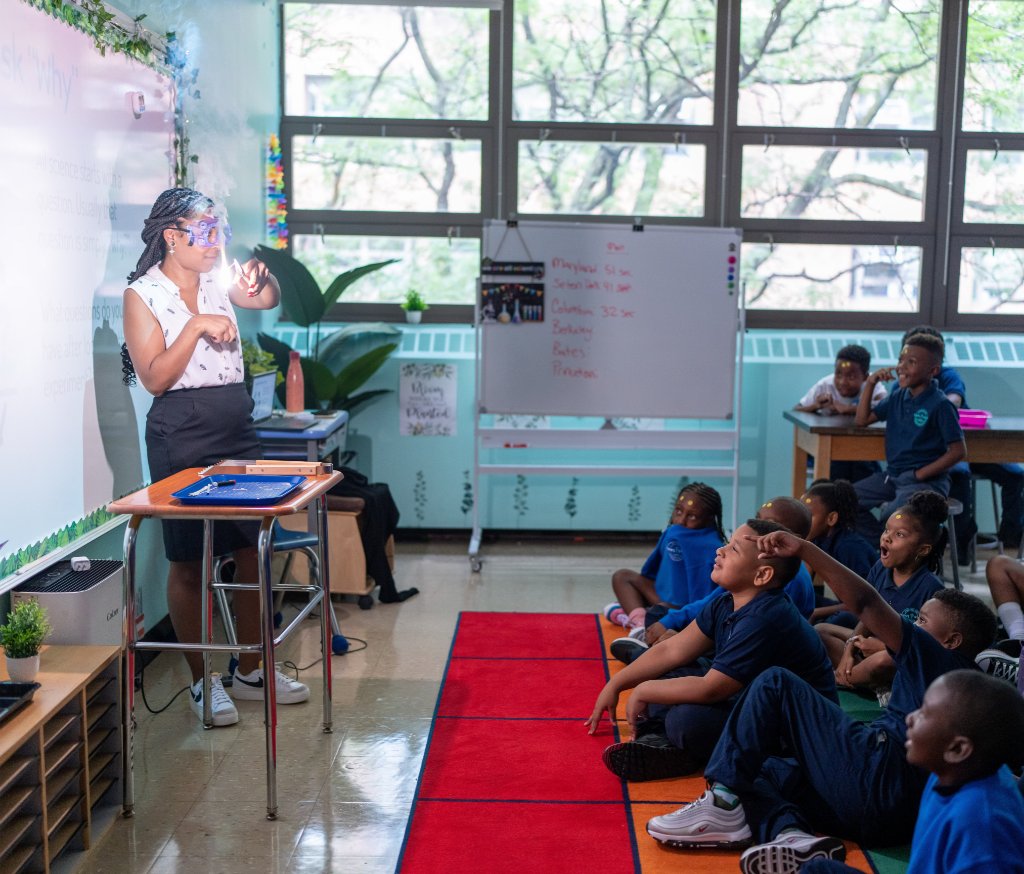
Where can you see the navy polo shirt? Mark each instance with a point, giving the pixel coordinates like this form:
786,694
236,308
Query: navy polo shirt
908,598
850,549
917,429
921,659
764,633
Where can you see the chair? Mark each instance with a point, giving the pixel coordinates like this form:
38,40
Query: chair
955,509
282,540
995,514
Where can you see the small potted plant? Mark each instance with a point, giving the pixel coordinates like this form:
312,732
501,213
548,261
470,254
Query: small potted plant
414,305
25,631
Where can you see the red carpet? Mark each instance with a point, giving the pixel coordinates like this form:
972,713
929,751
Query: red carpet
511,780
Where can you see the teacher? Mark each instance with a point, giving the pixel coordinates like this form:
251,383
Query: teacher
182,342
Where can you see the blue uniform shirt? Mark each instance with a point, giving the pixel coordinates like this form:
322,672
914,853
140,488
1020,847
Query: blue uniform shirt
920,660
977,828
850,549
681,563
908,598
764,633
917,429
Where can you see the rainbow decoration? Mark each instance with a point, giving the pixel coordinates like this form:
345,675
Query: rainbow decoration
277,204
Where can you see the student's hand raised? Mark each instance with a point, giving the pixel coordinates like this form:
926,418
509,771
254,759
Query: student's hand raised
778,543
883,374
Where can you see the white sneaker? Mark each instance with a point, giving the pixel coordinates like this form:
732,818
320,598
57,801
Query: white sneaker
249,687
701,823
222,708
788,853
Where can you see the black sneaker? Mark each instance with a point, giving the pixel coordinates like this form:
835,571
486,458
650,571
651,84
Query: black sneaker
627,650
650,757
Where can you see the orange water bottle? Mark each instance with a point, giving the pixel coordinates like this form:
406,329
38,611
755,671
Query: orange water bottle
294,386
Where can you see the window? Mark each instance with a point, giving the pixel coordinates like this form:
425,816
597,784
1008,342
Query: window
872,153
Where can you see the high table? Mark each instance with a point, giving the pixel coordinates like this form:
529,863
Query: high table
324,438
155,502
836,438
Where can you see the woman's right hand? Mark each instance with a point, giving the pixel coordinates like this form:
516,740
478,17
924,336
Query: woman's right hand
219,329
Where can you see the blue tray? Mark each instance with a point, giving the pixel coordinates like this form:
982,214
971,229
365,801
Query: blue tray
238,489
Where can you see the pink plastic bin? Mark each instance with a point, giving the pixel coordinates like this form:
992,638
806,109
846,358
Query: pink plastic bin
974,418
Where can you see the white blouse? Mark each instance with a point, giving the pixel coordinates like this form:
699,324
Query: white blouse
211,363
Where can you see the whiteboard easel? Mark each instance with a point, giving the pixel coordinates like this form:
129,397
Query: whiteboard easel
608,320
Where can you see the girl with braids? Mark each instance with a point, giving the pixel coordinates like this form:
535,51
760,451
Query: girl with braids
912,544
679,569
181,340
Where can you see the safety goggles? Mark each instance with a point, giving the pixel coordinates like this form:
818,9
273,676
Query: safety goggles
207,233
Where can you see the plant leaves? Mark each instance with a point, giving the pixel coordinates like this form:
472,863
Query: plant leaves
360,370
353,403
319,383
347,344
344,280
303,301
275,347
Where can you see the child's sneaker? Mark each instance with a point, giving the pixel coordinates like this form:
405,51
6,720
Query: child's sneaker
999,664
638,634
222,708
650,757
616,615
627,650
789,852
701,823
637,618
249,687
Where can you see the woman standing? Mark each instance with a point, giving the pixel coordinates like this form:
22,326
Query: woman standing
182,341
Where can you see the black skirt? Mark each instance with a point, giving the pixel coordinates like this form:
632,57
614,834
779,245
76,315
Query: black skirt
197,427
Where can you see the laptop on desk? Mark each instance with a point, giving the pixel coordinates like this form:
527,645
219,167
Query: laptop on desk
263,417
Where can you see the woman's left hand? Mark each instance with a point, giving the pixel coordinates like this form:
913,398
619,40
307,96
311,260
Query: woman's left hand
255,277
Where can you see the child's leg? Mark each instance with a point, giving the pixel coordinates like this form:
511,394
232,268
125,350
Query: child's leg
632,590
834,637
877,669
856,775
871,491
1006,583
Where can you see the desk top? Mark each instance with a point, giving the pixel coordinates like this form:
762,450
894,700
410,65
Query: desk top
998,426
156,500
322,428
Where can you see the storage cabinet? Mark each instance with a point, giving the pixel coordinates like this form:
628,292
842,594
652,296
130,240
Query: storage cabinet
60,758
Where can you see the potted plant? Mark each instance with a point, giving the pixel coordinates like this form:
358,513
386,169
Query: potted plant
333,370
414,305
25,631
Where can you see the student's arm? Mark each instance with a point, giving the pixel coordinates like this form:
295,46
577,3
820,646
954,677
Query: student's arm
714,686
858,595
954,453
681,649
865,415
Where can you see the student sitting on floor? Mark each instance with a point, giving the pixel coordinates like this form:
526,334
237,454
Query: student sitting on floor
789,761
923,439
905,576
971,819
663,624
679,704
837,395
1005,578
679,569
833,507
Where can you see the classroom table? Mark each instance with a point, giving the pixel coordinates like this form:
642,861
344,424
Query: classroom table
156,502
323,439
836,438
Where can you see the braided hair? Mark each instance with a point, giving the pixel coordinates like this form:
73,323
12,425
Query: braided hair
838,497
931,511
710,498
169,208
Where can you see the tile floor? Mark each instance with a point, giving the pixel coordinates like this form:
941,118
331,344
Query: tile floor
344,797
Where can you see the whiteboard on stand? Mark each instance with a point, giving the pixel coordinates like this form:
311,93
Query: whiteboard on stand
620,320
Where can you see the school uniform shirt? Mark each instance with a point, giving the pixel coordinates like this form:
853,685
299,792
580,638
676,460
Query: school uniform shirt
908,598
765,632
917,429
977,828
850,549
211,363
681,564
827,384
920,660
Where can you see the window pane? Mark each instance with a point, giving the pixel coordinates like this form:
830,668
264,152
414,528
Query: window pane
442,271
994,187
800,182
375,173
992,281
628,61
832,278
994,74
385,61
611,179
815,63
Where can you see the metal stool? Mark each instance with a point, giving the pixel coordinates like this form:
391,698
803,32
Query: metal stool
955,509
282,540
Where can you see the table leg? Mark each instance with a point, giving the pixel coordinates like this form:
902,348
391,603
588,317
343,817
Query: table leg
799,468
326,607
128,668
823,458
266,590
207,621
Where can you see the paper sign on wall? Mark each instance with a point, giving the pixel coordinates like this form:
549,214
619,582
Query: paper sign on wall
427,400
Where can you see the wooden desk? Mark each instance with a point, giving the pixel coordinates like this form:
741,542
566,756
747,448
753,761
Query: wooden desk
156,501
836,438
